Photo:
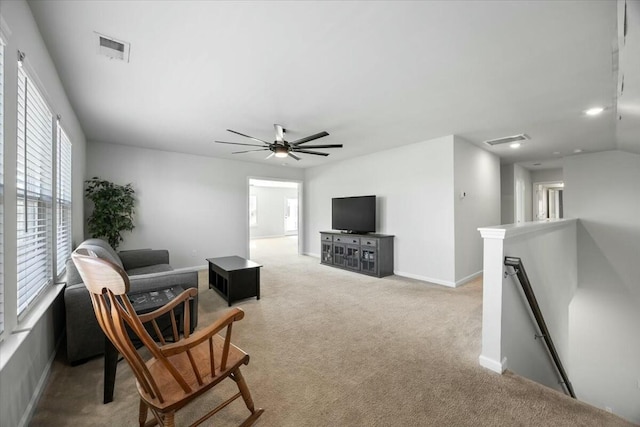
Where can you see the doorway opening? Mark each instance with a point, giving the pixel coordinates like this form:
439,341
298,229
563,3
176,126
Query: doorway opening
274,218
548,200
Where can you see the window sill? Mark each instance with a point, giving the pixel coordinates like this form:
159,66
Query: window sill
13,340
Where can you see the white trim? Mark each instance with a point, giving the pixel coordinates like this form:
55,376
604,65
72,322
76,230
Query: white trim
446,283
37,393
195,268
512,230
469,278
15,338
311,254
493,365
274,236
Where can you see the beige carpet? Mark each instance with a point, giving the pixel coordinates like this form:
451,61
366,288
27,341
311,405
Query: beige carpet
334,348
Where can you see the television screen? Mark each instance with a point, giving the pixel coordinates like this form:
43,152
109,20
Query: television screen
354,214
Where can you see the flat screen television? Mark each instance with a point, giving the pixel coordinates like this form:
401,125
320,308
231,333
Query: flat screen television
354,214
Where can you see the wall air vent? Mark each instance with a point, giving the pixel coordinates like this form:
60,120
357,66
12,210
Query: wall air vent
113,48
507,139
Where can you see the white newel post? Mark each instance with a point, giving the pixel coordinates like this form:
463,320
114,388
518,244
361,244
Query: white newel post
493,265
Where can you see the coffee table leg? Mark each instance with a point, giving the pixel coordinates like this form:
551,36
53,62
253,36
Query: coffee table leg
257,283
110,366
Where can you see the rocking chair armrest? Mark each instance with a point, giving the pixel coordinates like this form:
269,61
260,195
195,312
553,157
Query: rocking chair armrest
180,299
204,334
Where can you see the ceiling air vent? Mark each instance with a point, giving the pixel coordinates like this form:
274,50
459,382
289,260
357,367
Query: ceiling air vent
508,139
113,48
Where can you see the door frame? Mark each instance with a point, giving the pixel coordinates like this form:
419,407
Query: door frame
546,185
286,209
300,211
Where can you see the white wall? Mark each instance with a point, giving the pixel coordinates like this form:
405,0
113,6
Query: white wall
507,196
25,367
550,260
418,188
414,187
196,207
548,251
477,175
601,189
270,208
546,175
523,197
513,201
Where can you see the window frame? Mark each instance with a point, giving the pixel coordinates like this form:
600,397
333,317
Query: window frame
2,86
35,191
64,198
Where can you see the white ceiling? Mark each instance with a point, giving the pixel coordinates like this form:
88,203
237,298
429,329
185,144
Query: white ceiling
373,74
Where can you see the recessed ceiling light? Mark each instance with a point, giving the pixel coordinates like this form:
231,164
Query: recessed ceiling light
556,152
515,145
594,111
578,150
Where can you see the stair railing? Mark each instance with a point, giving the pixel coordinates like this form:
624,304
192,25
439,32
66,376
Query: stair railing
519,271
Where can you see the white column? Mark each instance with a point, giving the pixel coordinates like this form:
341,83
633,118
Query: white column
493,266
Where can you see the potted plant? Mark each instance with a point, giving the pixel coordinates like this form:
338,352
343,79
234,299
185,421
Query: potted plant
112,209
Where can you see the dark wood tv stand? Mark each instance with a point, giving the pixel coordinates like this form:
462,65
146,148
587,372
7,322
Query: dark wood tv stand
370,254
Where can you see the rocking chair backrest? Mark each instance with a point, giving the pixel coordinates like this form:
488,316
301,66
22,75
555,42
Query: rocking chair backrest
108,284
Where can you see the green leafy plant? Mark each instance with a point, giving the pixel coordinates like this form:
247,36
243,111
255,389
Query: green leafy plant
112,209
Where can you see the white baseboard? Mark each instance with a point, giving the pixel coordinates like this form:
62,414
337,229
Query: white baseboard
271,236
31,407
426,279
311,254
446,283
192,268
493,365
468,278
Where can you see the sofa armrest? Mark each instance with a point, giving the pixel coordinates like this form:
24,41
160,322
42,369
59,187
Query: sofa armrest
84,337
143,258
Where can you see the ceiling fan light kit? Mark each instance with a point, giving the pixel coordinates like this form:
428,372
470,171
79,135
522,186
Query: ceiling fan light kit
280,147
281,151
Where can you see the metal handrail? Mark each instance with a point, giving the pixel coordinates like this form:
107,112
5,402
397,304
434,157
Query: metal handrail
518,267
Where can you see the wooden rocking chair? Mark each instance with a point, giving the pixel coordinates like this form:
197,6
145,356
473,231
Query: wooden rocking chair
177,372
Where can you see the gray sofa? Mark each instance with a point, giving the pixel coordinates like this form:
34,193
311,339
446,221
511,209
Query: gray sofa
147,269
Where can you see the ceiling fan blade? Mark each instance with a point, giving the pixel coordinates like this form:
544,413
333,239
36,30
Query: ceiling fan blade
239,143
270,156
293,155
249,151
309,138
324,146
279,133
311,152
247,136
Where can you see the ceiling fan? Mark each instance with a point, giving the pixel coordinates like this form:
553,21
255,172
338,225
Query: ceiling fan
282,148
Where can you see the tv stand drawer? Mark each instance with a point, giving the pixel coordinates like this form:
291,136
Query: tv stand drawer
347,239
369,242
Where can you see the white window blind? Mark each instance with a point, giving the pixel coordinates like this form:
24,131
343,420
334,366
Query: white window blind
1,187
63,199
34,192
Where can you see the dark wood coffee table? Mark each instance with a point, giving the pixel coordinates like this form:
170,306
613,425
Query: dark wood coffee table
234,278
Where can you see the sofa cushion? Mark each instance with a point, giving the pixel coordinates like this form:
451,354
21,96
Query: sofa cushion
158,268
